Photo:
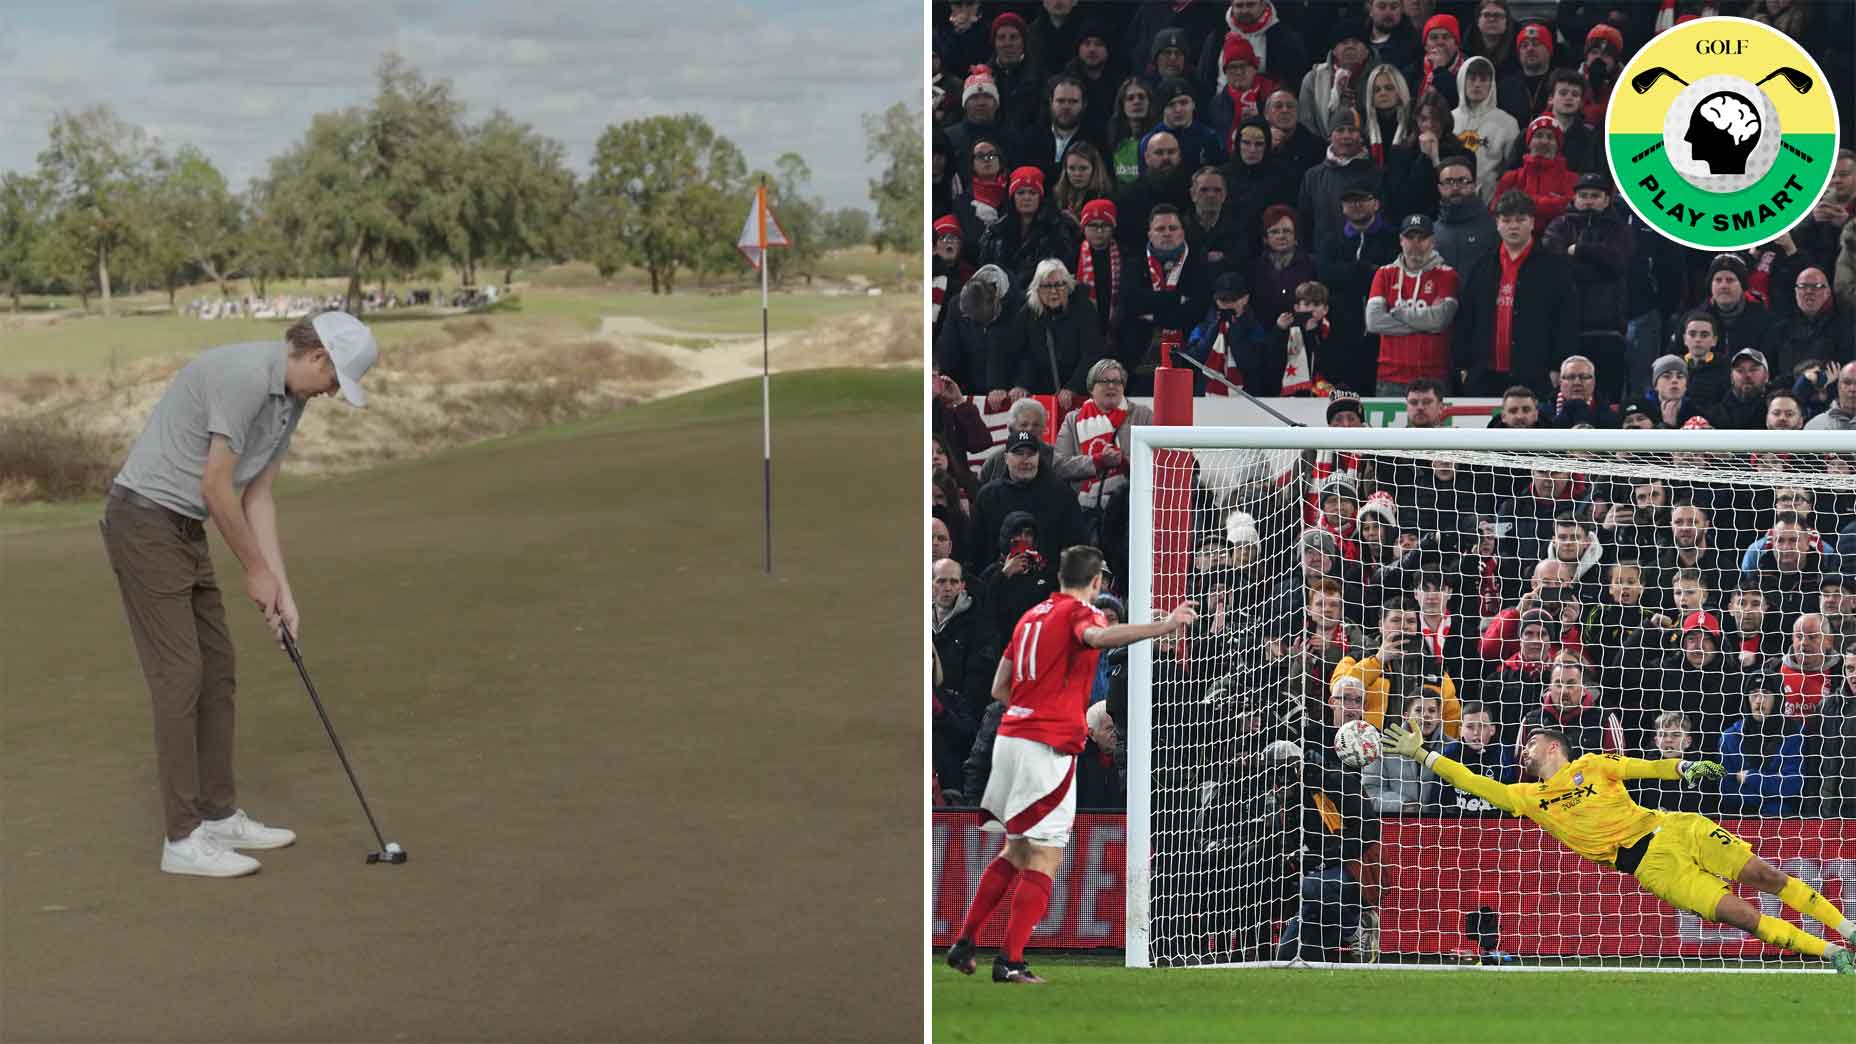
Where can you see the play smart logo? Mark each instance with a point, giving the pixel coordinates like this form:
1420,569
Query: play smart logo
1726,135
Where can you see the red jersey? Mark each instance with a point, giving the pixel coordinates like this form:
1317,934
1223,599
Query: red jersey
1052,671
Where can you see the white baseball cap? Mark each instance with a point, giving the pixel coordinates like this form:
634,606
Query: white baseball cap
351,347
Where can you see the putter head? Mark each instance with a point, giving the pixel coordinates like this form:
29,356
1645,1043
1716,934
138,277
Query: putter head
393,854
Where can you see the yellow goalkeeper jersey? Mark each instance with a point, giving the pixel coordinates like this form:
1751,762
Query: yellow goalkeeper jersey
1585,804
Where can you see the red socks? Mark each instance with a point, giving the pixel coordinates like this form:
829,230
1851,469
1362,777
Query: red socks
1028,908
993,883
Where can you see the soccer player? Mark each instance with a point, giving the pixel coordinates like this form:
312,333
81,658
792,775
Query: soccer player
1044,680
1683,858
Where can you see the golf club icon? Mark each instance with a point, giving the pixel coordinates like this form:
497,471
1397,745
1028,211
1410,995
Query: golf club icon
1799,81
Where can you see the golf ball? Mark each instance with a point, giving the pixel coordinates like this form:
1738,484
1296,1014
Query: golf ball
1677,122
394,847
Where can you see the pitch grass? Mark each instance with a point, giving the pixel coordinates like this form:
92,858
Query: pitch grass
1097,1000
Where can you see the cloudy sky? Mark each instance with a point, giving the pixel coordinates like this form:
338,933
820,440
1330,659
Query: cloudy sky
241,78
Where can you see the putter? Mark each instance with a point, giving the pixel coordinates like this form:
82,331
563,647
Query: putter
1643,81
390,852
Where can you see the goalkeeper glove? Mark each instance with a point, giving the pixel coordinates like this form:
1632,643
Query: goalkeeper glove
1405,740
1693,772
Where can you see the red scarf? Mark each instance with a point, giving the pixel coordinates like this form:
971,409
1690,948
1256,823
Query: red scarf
1244,105
1086,276
1216,362
1425,84
1436,638
1298,370
1349,547
990,191
1170,339
1490,589
1504,305
1095,433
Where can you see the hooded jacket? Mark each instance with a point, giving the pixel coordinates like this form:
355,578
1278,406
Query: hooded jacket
1250,190
1771,753
1007,598
1484,129
1600,266
1411,310
965,345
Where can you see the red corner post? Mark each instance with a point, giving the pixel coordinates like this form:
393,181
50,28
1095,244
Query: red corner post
1173,485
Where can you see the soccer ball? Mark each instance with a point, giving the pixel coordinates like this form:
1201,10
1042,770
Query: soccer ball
1356,744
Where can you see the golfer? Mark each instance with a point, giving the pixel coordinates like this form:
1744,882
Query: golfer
213,447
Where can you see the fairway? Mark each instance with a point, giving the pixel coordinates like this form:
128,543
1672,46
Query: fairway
1096,1000
637,778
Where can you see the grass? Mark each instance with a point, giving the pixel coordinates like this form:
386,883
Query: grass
694,311
1092,999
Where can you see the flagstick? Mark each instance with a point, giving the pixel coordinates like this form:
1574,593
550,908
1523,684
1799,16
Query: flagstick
766,393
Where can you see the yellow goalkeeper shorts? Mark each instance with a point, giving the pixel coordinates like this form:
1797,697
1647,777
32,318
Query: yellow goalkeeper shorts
1690,861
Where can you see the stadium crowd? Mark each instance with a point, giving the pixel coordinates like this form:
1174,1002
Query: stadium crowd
1395,198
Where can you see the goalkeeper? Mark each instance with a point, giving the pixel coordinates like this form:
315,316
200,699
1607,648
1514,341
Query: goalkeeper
1681,857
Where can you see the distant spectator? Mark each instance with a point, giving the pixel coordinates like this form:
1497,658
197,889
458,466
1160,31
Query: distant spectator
1027,488
1242,88
1524,92
1288,138
964,348
1578,400
1055,34
1492,34
1228,336
1744,407
1211,225
1347,265
1048,145
1031,231
1026,415
1334,84
1834,759
964,39
1199,144
1673,736
979,103
1020,80
1604,59
1163,182
1094,65
1052,341
1518,313
1598,247
1346,167
964,648
1743,322
1280,52
1279,267
1162,306
1387,112
1016,577
1697,680
1810,668
950,271
1570,706
1466,233
1169,62
1101,270
1482,751
1390,35
1841,416
1412,306
1084,177
1578,143
1481,125
1443,57
1763,753
1543,173
982,200
1396,785
1094,443
1133,115
1820,329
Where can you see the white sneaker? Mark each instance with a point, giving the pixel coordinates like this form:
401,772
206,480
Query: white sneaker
239,830
201,856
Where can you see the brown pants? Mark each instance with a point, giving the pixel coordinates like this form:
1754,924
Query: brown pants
179,624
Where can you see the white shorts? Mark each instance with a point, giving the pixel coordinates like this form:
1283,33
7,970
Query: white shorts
1031,792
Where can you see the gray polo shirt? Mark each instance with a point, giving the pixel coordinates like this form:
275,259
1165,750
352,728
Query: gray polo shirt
237,391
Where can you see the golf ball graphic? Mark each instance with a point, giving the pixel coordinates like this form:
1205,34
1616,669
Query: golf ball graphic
1722,133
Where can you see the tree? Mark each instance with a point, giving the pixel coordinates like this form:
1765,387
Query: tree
94,166
63,257
897,137
847,227
801,218
518,194
195,209
264,251
22,223
655,192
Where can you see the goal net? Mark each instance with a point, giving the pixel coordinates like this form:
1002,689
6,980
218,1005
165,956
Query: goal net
1655,594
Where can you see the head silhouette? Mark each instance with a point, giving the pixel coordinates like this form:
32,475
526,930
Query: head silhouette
1722,132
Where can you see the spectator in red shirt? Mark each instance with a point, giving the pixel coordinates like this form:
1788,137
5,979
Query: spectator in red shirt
1520,314
1810,668
1543,173
1411,306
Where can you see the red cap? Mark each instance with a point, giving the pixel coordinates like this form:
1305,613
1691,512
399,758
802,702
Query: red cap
1702,620
1696,424
1608,33
1535,31
1005,19
1546,123
1099,210
1237,49
1444,22
946,225
1023,177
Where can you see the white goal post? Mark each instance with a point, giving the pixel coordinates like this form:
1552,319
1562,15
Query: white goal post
1641,591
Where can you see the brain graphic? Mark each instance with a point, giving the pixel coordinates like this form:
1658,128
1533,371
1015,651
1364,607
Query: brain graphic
1731,116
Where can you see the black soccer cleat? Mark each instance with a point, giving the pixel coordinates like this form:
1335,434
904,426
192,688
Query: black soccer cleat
1014,971
960,956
